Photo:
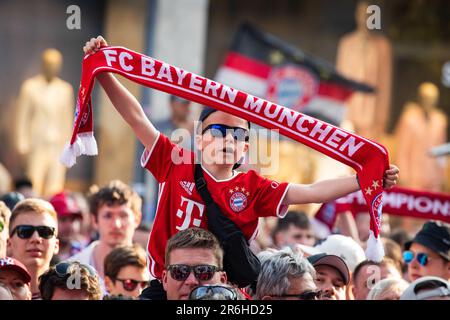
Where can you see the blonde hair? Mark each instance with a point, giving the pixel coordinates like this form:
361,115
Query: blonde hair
390,285
33,205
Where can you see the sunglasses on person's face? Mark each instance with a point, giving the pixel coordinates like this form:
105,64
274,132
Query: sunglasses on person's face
130,284
221,130
307,295
422,258
181,272
208,292
26,231
64,268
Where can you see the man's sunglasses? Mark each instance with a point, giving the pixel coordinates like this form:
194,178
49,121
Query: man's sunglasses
422,258
181,272
63,269
307,295
26,231
221,130
130,284
212,292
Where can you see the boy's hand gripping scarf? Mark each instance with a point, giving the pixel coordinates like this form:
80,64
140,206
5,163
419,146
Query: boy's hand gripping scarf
368,158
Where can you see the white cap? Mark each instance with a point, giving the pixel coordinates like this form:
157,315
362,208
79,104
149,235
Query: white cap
441,291
345,247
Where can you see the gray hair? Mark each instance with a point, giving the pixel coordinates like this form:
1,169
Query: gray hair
276,269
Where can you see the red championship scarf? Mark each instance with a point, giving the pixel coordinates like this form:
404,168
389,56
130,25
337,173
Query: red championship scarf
368,158
396,201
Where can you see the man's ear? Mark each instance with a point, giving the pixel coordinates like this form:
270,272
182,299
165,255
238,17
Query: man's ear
223,277
108,284
56,249
94,221
164,279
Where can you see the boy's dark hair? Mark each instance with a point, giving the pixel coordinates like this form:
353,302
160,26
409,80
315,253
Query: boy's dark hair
123,256
386,261
50,280
115,193
297,218
22,182
194,238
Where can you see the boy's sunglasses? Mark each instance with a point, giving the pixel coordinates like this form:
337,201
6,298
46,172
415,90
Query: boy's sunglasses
422,258
68,268
307,295
181,272
130,284
26,231
221,130
209,292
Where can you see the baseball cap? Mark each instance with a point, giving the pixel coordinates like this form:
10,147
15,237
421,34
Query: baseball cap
440,288
65,205
332,261
434,235
9,263
345,247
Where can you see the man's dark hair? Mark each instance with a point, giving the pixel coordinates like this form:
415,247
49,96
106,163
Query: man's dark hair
115,193
195,238
297,218
123,256
386,260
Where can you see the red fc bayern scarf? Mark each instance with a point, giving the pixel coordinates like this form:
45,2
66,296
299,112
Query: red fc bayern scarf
368,158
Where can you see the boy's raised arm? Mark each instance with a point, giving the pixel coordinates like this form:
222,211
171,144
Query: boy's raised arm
125,103
329,190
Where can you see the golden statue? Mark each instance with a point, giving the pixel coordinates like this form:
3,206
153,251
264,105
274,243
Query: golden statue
44,122
366,56
421,126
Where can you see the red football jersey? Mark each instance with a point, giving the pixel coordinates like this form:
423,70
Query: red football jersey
243,198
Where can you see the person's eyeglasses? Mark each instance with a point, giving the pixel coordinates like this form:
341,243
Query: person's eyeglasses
130,284
26,231
221,130
64,268
181,272
422,258
212,292
307,295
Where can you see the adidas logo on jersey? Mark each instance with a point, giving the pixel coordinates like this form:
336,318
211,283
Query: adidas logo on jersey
187,186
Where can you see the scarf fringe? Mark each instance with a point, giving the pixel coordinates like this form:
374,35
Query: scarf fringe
71,152
89,143
374,250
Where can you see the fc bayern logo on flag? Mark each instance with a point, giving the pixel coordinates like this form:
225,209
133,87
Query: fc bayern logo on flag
238,201
291,86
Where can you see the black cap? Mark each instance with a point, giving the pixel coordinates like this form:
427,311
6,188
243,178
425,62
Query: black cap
435,235
333,261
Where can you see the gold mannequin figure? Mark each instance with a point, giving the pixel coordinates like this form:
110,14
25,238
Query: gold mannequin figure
44,121
421,126
366,56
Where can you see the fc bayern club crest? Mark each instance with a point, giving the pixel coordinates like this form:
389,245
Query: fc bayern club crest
238,201
291,86
377,208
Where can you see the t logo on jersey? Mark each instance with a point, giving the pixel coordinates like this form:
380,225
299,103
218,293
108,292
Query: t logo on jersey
188,212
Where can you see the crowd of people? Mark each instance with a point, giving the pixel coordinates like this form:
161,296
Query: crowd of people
204,241
46,254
